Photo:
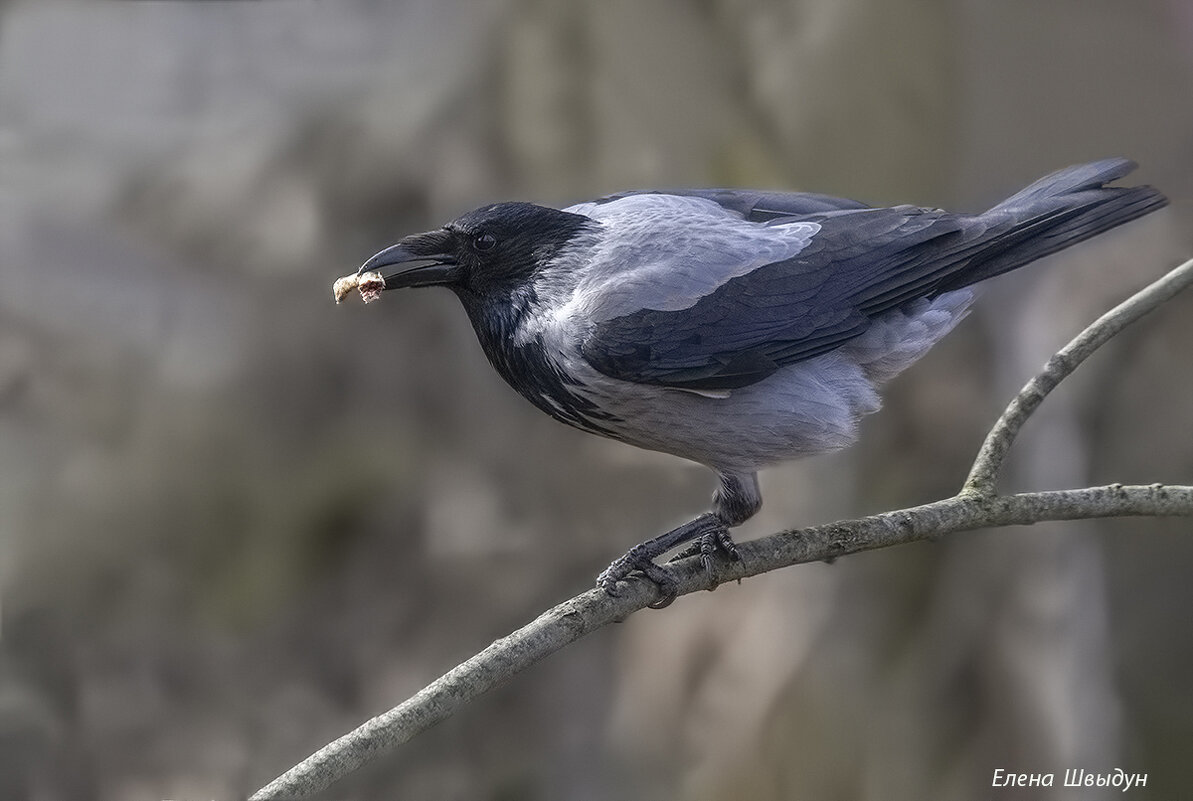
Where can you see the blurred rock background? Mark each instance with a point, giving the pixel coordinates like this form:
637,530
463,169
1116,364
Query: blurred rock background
236,520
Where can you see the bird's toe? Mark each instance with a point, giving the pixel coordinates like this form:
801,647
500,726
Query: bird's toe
713,540
631,562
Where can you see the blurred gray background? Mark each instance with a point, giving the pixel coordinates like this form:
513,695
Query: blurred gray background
236,520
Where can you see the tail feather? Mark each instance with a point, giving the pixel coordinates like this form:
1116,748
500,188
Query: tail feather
1054,213
1070,180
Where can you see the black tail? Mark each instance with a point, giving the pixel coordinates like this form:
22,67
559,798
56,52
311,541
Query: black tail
1057,211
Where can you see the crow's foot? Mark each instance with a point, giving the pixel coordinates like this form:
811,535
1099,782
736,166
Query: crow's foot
709,543
710,534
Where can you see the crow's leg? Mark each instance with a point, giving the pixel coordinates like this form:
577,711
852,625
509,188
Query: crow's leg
735,501
641,557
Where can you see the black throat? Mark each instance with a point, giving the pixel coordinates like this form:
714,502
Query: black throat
527,366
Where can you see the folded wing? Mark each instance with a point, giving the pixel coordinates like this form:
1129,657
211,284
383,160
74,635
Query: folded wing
860,264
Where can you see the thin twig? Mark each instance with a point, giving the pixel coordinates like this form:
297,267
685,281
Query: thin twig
982,476
975,507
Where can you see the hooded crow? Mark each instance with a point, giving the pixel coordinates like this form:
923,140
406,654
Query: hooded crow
733,328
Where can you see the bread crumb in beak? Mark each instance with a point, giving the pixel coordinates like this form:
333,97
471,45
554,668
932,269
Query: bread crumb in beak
370,285
343,286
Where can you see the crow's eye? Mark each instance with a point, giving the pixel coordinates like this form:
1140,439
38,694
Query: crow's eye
484,241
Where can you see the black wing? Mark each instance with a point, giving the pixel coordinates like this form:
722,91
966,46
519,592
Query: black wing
861,263
858,265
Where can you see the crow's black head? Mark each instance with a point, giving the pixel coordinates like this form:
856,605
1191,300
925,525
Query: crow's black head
490,250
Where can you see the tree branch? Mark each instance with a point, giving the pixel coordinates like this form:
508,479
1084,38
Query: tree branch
989,461
976,506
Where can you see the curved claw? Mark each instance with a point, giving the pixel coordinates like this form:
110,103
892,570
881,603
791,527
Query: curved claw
711,534
668,589
719,539
708,544
636,561
617,570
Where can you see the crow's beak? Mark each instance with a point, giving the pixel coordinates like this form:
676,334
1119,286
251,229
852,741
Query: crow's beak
420,260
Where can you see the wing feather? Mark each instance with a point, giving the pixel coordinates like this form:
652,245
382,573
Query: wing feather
847,265
857,265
